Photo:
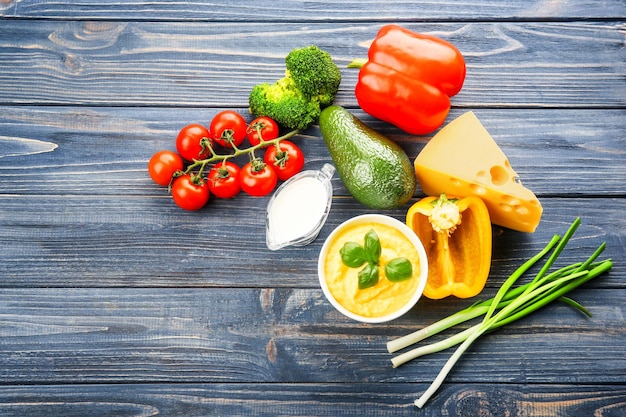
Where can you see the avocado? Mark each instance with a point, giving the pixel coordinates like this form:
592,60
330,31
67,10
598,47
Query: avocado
374,169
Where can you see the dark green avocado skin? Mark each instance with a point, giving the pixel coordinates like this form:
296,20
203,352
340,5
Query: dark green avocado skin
374,169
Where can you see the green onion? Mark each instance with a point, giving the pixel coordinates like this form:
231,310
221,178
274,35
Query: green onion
508,305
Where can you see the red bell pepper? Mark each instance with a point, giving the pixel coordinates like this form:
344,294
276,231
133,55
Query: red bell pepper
408,79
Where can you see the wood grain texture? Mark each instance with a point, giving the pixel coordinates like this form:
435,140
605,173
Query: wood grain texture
62,241
270,400
284,335
141,241
104,151
113,302
201,65
311,11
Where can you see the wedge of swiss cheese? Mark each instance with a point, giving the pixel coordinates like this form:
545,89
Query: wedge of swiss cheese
463,159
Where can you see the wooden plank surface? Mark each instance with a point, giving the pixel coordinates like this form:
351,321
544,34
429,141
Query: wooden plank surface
113,302
541,144
147,241
510,64
40,143
362,400
267,335
355,400
312,11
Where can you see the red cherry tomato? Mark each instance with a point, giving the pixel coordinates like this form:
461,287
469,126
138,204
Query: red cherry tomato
287,162
228,128
257,178
190,193
224,180
189,142
262,127
163,165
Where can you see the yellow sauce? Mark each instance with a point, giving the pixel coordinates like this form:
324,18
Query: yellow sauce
385,297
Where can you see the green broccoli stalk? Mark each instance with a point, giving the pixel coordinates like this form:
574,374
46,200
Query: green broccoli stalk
295,101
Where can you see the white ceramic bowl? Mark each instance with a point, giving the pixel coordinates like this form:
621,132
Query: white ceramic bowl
406,231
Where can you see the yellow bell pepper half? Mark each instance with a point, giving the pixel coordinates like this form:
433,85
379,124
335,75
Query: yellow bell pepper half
456,234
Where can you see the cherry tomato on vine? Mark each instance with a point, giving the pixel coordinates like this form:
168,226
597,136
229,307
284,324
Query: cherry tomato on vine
190,193
287,162
228,128
223,180
267,127
257,178
162,166
189,142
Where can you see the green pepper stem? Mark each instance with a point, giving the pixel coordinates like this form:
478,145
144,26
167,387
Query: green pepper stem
357,63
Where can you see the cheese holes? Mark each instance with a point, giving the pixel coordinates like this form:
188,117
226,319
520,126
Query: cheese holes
499,175
478,189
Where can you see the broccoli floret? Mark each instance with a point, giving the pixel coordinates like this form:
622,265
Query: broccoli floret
314,73
284,103
295,101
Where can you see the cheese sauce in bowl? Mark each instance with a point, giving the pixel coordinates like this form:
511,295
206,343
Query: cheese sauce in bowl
387,299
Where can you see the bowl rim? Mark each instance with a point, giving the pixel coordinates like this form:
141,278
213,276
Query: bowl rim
406,231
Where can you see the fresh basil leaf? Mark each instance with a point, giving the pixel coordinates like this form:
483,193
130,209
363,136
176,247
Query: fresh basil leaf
372,247
398,269
368,276
352,255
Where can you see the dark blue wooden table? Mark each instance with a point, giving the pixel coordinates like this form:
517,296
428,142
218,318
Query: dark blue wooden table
114,302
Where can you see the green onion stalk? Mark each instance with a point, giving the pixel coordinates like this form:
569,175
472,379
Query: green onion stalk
508,305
